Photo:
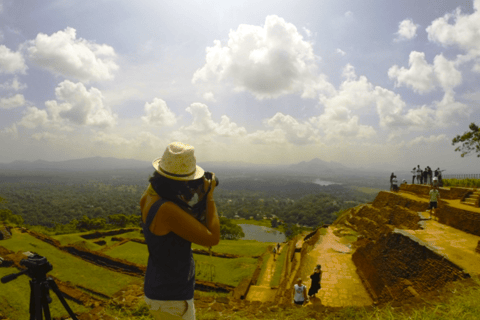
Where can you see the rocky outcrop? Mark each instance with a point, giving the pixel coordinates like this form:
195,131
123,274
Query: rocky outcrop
464,220
4,233
398,266
445,193
388,199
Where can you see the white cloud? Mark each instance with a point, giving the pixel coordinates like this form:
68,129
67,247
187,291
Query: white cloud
419,76
49,136
450,112
209,96
275,136
431,140
13,85
267,61
11,131
463,33
13,102
63,54
423,77
157,113
407,30
349,14
308,32
140,141
340,52
338,120
11,62
295,132
447,75
203,124
34,117
80,106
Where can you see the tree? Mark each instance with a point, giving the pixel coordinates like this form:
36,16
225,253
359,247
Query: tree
470,141
229,230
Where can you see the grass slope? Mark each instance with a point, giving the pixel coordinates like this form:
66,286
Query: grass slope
69,268
15,298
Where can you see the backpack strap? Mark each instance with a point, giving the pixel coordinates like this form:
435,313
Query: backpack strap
153,212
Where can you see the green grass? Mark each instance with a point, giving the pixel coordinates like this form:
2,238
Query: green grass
15,298
130,251
469,183
368,190
227,271
69,268
275,282
75,238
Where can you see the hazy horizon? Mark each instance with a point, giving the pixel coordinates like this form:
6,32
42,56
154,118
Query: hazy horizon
378,84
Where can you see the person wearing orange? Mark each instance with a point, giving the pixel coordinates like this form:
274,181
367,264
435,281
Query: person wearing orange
169,227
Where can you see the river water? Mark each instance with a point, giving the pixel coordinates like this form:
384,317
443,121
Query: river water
262,234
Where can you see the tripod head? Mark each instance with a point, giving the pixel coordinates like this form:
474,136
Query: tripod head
37,268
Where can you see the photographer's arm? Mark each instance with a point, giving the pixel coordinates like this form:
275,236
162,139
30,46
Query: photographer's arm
189,228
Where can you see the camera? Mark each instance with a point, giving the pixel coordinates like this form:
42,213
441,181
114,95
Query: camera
208,176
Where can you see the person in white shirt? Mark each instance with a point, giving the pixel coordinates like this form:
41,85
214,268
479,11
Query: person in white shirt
434,197
300,292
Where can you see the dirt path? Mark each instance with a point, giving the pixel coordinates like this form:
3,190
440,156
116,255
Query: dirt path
263,291
340,284
457,245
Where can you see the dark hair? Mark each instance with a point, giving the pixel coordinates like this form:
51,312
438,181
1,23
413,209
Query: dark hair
174,190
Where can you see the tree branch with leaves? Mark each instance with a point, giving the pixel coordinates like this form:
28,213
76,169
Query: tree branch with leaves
470,141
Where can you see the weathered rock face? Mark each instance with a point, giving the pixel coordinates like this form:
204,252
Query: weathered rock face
399,266
373,222
459,219
423,190
4,233
388,199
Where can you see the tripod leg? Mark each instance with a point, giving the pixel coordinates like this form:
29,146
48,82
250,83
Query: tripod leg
57,291
32,301
37,292
45,300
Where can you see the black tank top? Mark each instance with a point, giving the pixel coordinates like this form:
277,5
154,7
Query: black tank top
171,269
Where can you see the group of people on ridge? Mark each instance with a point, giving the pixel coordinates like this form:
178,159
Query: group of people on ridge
427,176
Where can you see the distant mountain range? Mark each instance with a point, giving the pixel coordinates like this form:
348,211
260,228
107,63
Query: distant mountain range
312,168
85,164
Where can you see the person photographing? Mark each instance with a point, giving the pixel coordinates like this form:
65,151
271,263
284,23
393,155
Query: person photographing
170,225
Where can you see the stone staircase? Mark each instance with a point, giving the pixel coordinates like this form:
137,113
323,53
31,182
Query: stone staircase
472,199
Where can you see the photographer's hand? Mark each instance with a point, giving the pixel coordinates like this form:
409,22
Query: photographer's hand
209,184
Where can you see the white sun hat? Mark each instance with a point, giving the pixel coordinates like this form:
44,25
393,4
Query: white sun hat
178,163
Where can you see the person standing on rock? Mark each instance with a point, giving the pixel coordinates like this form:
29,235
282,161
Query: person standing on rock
434,197
316,278
274,253
414,172
300,293
169,227
419,175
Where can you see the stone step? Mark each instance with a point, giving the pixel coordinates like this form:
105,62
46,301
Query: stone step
424,215
470,201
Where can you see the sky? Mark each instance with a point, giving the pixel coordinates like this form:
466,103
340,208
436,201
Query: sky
374,83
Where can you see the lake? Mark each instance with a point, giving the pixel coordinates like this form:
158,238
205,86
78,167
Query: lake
262,234
323,182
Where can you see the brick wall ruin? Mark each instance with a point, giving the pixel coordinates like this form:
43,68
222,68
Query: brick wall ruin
399,266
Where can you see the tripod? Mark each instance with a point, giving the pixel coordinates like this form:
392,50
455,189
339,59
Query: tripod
37,268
